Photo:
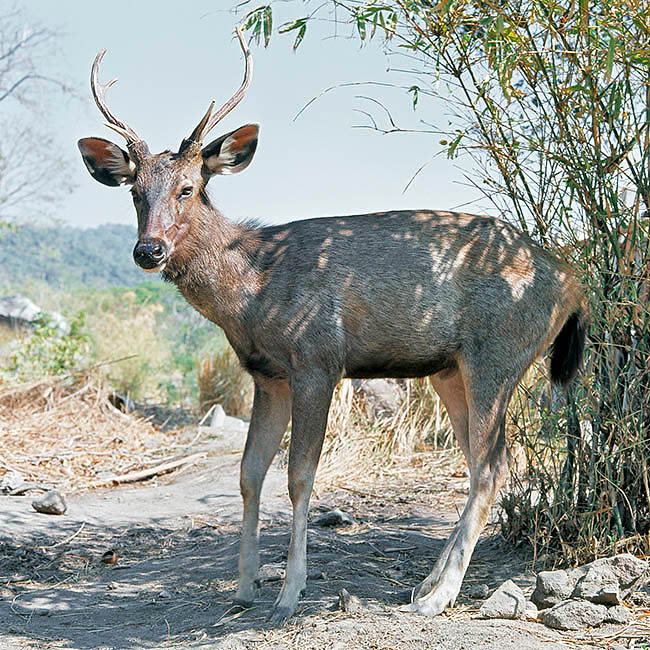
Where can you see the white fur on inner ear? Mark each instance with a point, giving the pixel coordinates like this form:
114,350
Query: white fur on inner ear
116,164
222,163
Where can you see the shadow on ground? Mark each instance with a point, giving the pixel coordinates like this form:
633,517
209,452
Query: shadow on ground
172,585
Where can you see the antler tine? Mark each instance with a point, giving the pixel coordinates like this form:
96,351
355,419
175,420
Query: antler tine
239,95
99,96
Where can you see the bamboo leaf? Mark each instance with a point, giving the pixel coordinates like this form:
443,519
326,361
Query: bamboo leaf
609,63
267,20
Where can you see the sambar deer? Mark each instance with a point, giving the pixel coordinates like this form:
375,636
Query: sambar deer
467,300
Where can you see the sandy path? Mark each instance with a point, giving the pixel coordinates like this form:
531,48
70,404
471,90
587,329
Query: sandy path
177,542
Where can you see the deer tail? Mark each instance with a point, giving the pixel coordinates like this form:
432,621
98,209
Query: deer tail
567,350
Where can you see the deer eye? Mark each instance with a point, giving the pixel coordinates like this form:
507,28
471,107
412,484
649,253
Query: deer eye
185,192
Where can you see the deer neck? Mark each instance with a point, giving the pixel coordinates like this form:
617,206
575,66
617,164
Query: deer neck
212,267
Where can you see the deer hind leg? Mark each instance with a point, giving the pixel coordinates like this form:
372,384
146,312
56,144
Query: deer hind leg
269,419
479,426
311,400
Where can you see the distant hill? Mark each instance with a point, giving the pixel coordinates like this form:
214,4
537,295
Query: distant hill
64,256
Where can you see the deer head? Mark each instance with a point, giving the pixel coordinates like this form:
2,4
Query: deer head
167,187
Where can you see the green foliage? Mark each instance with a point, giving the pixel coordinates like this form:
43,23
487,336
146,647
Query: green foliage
46,351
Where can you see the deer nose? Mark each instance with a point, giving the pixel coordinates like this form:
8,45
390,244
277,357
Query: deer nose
150,253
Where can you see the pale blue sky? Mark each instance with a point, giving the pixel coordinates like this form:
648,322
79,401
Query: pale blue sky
172,59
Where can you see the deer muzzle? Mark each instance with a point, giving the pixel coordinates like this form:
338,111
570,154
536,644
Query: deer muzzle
151,254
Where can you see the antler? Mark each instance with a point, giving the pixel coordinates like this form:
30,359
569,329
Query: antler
209,120
98,91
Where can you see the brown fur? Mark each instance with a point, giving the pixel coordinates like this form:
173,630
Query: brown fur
468,299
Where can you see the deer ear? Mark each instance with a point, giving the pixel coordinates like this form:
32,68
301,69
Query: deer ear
231,153
106,162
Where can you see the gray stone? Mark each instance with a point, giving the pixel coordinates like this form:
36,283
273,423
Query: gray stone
508,601
573,615
384,396
334,517
552,588
50,503
531,613
270,573
17,311
10,481
608,580
619,614
348,603
218,417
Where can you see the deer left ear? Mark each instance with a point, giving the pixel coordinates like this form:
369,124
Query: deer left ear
231,153
106,162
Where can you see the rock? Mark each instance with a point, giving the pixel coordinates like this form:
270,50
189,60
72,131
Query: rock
334,517
531,613
270,573
384,396
348,603
552,588
17,311
605,581
479,592
11,481
508,601
619,614
51,503
6,593
218,416
573,615
608,580
165,594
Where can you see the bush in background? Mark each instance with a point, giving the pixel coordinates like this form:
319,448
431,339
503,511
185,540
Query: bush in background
46,351
126,330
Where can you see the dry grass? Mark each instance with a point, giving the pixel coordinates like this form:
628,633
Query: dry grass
123,328
360,447
222,381
66,433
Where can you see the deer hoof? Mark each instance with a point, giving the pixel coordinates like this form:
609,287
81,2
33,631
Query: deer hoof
244,603
279,615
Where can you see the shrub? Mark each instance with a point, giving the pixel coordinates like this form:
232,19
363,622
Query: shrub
47,351
124,329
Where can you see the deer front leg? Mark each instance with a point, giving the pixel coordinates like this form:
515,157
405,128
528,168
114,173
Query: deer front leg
311,396
269,419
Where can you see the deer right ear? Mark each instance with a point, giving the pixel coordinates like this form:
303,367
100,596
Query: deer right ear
231,153
106,162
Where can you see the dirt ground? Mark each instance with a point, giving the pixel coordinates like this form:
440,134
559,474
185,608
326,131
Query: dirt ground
176,540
